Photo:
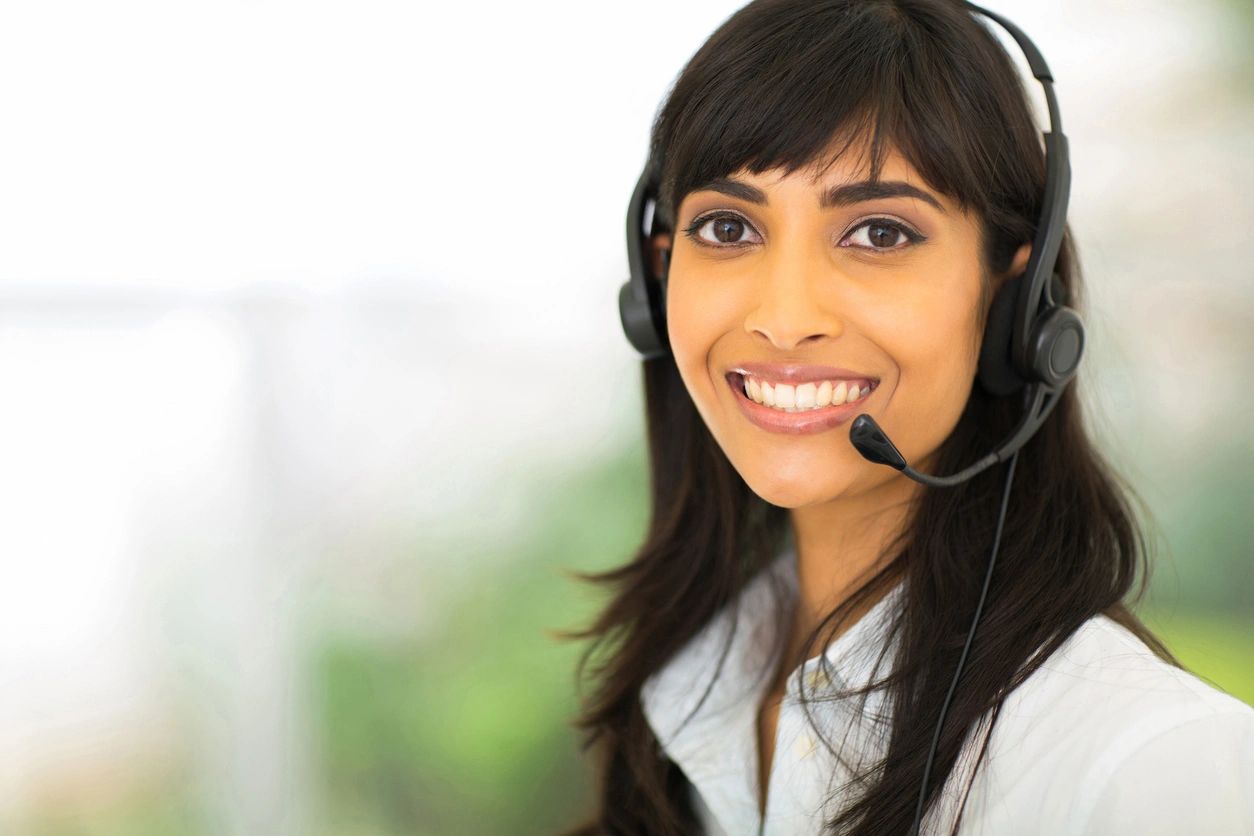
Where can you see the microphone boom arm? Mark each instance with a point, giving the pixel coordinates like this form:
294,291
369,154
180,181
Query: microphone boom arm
875,446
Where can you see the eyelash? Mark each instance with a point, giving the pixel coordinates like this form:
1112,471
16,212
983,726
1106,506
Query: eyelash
911,236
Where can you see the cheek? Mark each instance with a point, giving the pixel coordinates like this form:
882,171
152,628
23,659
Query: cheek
688,329
935,346
695,321
929,327
943,347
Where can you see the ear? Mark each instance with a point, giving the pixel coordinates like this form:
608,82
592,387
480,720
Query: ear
657,245
1018,264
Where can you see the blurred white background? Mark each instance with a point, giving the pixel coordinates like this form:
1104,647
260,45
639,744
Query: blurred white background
293,294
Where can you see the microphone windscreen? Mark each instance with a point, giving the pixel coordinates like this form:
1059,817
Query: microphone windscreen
873,444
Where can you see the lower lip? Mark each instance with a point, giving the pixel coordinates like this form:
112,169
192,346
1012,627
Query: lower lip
795,423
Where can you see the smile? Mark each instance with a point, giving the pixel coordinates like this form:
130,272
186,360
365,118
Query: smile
799,409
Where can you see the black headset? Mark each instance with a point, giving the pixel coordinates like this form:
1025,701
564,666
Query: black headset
1032,341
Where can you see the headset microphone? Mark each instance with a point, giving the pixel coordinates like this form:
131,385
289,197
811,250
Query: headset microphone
875,446
1032,342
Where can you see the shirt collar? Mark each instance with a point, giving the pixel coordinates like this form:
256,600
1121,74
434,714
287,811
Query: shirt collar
716,747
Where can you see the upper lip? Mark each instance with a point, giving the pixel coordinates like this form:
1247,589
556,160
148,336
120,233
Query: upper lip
795,373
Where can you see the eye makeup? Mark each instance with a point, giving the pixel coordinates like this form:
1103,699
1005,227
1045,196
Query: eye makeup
907,233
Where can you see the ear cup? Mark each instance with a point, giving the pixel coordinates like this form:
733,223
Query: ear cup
642,301
1057,345
996,372
640,323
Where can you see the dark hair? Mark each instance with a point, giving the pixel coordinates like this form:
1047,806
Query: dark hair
777,86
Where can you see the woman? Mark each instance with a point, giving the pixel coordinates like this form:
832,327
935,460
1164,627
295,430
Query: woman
844,186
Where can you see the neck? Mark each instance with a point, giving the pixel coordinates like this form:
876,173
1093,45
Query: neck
839,545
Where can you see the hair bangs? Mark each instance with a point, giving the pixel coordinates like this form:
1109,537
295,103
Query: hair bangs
809,89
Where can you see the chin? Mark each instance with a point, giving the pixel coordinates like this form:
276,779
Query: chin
796,490
806,481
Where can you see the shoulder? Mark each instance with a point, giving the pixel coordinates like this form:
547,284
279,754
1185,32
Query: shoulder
1122,686
1108,738
1193,776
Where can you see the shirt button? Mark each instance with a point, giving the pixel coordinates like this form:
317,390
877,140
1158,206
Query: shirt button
804,746
817,679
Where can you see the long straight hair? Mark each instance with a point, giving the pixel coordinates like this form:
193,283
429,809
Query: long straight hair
773,87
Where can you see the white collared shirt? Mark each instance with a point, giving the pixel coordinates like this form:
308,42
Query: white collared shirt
1105,739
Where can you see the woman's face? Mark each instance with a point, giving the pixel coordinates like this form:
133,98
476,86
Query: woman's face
881,285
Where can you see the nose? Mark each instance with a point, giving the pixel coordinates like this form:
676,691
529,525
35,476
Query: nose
795,302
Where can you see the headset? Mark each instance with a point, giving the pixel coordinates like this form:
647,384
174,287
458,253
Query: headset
1032,342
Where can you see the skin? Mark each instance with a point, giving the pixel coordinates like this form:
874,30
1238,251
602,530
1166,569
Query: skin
794,283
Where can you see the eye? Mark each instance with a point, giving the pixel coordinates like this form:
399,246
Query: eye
882,234
726,228
883,231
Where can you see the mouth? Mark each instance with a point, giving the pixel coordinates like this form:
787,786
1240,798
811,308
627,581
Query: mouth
800,409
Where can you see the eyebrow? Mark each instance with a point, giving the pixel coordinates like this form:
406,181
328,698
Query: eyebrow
842,195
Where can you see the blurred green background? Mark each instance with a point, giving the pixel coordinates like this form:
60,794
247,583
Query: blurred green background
467,730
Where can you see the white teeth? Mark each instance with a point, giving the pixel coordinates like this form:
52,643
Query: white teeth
806,395
785,396
788,398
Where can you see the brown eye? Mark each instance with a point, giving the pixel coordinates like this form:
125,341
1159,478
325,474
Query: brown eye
882,235
725,230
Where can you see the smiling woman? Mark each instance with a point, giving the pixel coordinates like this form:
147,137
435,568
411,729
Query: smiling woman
885,278
843,189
